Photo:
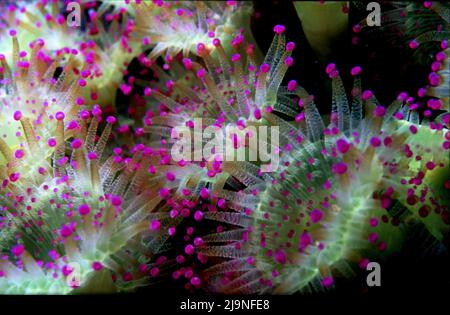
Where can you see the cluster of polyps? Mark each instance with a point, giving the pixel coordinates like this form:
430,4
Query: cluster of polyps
89,215
73,220
104,47
65,213
32,102
338,197
234,91
337,203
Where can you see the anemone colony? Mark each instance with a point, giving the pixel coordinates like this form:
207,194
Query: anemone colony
92,200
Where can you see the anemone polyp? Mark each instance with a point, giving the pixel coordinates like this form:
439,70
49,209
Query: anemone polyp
232,91
266,196
163,25
40,20
84,212
104,47
32,101
332,207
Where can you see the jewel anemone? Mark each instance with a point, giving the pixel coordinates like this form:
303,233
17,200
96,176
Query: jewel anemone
343,200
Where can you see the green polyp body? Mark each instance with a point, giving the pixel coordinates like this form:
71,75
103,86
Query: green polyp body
242,18
436,179
344,230
8,134
427,144
89,281
322,23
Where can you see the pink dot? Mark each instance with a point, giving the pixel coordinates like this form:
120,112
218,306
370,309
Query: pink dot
17,115
198,215
82,82
51,142
187,63
154,271
289,61
79,101
171,231
264,68
316,215
164,192
116,200
413,44
97,266
60,116
279,29
76,143
147,91
14,177
292,85
195,281
84,209
170,176
355,70
111,120
19,154
327,281
18,250
155,225
339,168
180,259
290,46
65,231
342,145
92,156
280,256
375,142
363,263
189,249
73,125
96,111
84,114
201,47
204,193
235,57
257,114
366,95
201,73
379,111
373,237
198,241
221,203
330,68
